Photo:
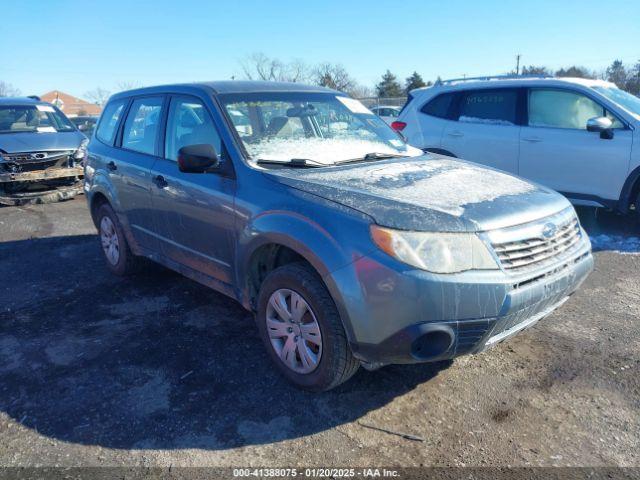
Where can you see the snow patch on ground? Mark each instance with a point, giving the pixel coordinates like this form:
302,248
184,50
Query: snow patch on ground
616,243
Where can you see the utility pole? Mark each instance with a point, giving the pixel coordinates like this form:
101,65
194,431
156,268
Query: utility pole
518,64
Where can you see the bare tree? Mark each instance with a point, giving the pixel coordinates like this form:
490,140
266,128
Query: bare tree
361,91
128,85
98,95
333,75
8,90
260,67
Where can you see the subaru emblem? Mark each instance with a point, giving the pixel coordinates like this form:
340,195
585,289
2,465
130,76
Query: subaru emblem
549,230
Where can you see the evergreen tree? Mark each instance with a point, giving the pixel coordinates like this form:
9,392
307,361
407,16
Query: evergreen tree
579,72
535,70
413,82
617,74
389,86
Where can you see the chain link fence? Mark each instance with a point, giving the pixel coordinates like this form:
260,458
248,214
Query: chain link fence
372,102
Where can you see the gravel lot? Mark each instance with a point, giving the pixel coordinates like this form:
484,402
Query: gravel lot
158,370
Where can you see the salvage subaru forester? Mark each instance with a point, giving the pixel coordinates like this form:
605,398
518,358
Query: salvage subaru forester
350,246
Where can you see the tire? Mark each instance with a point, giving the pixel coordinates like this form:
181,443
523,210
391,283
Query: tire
335,363
118,256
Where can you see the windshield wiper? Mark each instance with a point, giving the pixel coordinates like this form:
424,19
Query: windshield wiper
294,162
373,156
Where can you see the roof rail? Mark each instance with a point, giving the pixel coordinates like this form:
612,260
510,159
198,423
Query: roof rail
489,77
34,97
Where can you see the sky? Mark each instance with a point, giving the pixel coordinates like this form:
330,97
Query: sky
76,46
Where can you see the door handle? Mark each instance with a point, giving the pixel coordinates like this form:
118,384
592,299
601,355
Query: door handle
455,133
532,139
112,165
160,181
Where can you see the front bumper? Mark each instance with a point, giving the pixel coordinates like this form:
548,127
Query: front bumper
413,316
42,186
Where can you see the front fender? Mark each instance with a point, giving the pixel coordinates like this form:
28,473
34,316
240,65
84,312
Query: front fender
325,248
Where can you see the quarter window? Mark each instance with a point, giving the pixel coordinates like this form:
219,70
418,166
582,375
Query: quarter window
141,126
439,106
109,121
492,107
189,123
564,109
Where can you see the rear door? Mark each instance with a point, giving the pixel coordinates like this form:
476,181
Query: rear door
556,149
485,128
129,163
194,211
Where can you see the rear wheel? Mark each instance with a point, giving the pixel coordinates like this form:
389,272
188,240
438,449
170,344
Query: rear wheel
120,259
302,330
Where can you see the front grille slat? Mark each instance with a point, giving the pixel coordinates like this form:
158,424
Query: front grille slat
537,250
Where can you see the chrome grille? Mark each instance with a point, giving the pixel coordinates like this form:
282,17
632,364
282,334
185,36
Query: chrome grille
35,157
29,161
552,238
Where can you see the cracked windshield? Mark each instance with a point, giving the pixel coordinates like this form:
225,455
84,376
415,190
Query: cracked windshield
316,128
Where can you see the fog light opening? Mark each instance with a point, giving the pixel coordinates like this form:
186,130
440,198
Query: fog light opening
432,344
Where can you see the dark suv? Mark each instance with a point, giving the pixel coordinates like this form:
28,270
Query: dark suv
349,245
41,153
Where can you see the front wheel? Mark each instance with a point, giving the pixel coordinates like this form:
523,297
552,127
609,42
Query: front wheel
302,331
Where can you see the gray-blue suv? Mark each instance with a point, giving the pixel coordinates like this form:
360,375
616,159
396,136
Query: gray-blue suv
351,247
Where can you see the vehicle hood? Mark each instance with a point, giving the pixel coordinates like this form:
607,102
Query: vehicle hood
428,193
44,141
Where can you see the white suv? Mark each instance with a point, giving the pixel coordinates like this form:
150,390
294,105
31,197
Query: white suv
574,135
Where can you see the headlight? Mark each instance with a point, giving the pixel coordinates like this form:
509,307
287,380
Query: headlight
81,152
435,252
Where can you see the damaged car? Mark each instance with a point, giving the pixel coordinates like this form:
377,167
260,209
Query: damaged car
350,246
41,153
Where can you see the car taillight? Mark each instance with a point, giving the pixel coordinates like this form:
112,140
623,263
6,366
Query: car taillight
398,126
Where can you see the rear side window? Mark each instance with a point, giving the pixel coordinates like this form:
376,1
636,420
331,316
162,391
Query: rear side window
141,127
109,121
492,107
439,106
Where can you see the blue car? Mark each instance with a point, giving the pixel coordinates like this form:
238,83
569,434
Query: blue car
41,153
350,246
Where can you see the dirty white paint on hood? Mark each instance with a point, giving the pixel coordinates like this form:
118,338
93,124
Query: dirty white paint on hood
445,185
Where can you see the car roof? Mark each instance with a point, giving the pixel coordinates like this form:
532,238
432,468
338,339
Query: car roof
230,86
21,101
510,81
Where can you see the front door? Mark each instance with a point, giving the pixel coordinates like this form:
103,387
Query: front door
194,211
556,149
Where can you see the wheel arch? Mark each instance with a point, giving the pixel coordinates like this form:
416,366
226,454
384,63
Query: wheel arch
440,151
630,191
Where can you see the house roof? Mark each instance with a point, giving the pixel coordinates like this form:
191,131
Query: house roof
71,105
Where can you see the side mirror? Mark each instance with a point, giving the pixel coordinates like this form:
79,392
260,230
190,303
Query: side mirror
601,125
199,158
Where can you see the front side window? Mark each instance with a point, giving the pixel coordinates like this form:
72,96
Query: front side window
490,107
189,123
320,127
141,126
33,119
564,109
109,121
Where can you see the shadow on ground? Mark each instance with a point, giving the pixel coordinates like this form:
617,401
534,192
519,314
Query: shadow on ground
153,361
